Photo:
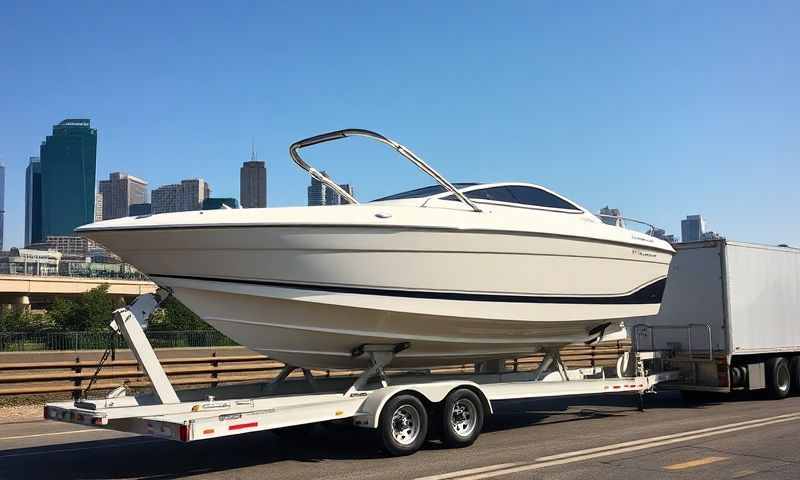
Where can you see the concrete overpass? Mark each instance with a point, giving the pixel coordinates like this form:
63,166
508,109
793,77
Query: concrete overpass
24,290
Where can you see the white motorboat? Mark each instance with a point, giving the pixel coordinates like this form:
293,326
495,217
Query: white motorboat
451,273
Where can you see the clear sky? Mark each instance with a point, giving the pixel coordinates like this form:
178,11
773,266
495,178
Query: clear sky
662,109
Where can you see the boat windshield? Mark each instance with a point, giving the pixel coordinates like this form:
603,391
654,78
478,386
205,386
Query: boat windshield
423,192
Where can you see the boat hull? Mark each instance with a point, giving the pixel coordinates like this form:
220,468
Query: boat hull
309,296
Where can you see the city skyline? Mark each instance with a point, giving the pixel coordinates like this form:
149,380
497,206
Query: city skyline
653,108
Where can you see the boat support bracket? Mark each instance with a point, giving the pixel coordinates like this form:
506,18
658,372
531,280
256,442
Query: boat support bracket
380,355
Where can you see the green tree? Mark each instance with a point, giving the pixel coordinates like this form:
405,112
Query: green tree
90,311
23,321
173,315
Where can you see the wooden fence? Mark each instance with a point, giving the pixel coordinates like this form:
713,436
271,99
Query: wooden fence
73,377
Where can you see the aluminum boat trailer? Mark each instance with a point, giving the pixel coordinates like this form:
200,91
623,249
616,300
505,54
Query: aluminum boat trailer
402,408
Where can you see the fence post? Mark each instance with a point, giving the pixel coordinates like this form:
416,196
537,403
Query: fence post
214,374
76,394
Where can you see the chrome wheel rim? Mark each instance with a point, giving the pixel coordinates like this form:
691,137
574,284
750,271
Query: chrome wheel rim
463,417
405,424
783,379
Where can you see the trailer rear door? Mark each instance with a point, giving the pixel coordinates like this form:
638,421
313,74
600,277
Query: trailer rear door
764,298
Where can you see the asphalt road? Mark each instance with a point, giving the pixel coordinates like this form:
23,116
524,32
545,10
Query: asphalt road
597,438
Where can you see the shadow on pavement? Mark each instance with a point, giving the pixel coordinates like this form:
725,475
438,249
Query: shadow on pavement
151,458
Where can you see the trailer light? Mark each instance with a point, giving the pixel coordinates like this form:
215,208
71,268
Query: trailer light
183,433
243,425
339,413
208,431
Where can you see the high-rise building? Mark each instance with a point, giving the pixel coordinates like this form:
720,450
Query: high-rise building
212,203
317,191
2,201
321,194
333,198
119,192
253,183
692,228
33,202
98,207
165,198
192,194
68,159
138,209
180,197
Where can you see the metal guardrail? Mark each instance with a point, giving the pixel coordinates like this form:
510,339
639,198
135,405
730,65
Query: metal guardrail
77,341
72,377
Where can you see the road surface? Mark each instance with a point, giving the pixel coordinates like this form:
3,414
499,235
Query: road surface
597,438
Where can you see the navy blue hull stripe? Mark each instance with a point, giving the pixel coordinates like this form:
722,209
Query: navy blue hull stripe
649,294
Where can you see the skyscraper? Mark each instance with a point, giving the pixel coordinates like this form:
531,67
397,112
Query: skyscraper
692,228
180,197
317,191
321,194
2,201
33,202
192,193
253,183
165,198
68,159
119,192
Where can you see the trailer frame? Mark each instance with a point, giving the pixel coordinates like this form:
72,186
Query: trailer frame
205,413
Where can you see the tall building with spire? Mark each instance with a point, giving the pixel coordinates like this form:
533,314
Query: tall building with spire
253,182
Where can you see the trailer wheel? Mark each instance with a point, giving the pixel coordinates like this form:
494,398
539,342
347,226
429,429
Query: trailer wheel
403,425
462,418
794,368
778,377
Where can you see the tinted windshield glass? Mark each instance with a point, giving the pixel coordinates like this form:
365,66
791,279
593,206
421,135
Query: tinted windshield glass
423,192
518,194
539,198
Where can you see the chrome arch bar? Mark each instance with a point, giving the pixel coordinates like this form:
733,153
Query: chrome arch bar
358,132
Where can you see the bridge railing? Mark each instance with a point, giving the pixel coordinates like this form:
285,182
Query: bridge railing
76,341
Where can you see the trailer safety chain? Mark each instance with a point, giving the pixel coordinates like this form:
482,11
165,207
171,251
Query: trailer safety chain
111,351
111,348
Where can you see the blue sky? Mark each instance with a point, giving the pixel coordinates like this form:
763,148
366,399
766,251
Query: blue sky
662,109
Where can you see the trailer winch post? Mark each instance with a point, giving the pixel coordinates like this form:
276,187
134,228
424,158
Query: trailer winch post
129,321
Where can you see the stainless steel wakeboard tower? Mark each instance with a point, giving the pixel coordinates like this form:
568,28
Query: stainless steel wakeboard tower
358,132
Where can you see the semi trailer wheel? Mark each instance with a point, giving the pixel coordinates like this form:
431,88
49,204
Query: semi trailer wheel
403,425
794,369
462,418
778,377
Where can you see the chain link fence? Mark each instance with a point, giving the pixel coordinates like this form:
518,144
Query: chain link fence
74,341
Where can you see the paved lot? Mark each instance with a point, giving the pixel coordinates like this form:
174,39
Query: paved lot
585,438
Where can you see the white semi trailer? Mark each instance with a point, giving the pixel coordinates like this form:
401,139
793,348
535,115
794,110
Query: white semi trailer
742,302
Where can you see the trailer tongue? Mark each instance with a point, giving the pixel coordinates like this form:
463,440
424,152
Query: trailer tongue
400,407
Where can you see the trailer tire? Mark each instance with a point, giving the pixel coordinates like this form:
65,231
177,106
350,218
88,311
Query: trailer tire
462,418
779,378
794,368
403,425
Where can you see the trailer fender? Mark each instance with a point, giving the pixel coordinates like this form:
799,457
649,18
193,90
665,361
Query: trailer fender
370,411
